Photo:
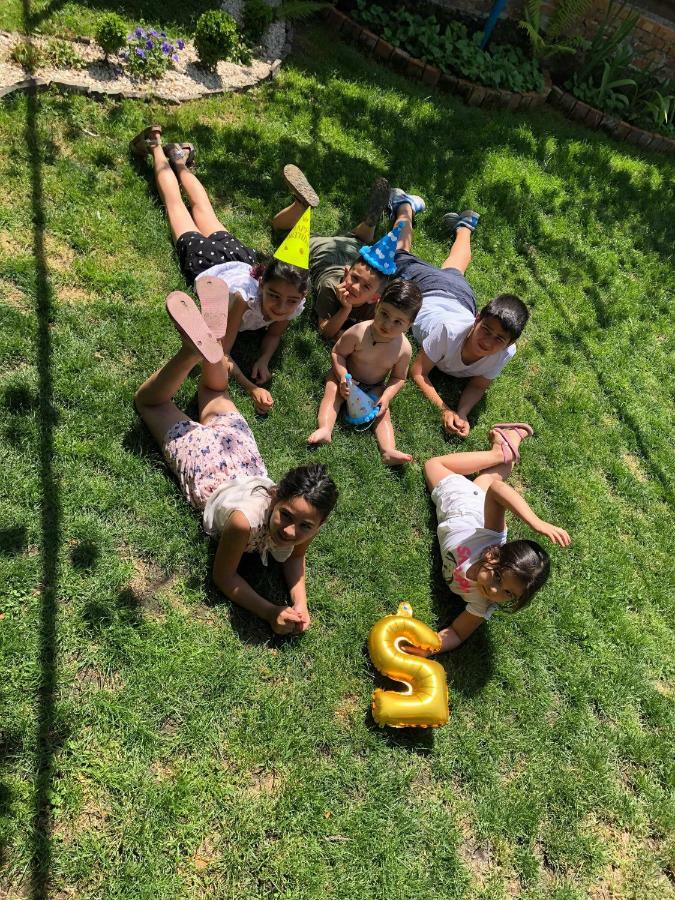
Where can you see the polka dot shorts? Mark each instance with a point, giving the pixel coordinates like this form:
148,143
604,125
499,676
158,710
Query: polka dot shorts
196,253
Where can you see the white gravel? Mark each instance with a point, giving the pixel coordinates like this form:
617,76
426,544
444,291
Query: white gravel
186,81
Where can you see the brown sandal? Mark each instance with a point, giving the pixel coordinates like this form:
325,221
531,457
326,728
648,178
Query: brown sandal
144,140
184,152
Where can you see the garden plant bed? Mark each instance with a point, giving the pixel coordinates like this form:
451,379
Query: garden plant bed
475,94
596,118
187,81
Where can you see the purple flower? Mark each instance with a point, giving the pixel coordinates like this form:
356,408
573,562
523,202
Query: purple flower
166,47
162,34
140,52
149,45
181,43
139,32
153,33
175,57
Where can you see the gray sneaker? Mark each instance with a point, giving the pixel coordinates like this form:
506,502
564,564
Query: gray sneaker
298,185
377,202
466,219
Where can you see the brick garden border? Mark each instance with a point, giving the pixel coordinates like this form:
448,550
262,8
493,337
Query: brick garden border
477,95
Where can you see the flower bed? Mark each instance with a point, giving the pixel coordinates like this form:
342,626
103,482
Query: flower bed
474,94
480,95
184,81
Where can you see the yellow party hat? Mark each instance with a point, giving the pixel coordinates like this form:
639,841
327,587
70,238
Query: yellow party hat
295,248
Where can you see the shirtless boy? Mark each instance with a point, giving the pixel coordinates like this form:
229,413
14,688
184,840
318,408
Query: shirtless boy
371,352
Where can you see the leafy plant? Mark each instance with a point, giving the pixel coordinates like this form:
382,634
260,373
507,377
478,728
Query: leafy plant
661,110
612,34
550,40
150,53
452,49
111,33
62,55
217,38
28,55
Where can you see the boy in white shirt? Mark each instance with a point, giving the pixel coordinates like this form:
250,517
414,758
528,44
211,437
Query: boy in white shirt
451,333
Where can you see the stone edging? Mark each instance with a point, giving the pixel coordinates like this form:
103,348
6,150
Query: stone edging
150,93
478,95
596,119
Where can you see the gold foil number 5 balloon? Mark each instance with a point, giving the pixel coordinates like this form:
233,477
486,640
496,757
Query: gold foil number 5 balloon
424,704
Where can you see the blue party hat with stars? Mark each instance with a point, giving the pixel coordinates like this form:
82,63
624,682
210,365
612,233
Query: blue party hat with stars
381,255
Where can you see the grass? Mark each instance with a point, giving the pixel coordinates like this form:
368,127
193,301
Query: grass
156,742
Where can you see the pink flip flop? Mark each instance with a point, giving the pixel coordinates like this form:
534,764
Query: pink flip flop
183,310
513,426
214,297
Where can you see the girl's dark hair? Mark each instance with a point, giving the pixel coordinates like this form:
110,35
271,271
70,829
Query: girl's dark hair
274,268
527,560
313,484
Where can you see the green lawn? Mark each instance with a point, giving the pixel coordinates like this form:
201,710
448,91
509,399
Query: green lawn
156,742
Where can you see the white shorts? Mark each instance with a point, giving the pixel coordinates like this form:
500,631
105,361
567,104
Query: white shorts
460,508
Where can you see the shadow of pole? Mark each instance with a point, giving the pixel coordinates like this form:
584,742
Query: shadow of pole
50,512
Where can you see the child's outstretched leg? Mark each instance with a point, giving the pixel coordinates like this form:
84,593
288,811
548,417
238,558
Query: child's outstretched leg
168,187
494,463
384,435
205,219
462,225
328,413
304,196
377,203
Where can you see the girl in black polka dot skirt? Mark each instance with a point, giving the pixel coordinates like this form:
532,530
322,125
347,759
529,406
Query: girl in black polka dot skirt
261,297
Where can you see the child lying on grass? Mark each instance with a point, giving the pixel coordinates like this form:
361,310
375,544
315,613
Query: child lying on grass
346,279
372,352
262,296
221,473
479,564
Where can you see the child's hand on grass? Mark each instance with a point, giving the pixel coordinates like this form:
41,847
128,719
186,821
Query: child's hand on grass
454,423
260,372
553,533
262,400
303,612
287,621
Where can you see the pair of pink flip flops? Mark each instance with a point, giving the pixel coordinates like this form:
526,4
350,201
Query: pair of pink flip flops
205,328
522,428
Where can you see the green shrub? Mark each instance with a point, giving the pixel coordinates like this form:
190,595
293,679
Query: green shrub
257,16
217,38
111,33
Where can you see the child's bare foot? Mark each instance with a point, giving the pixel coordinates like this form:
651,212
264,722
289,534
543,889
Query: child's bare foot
191,325
395,457
320,436
214,298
